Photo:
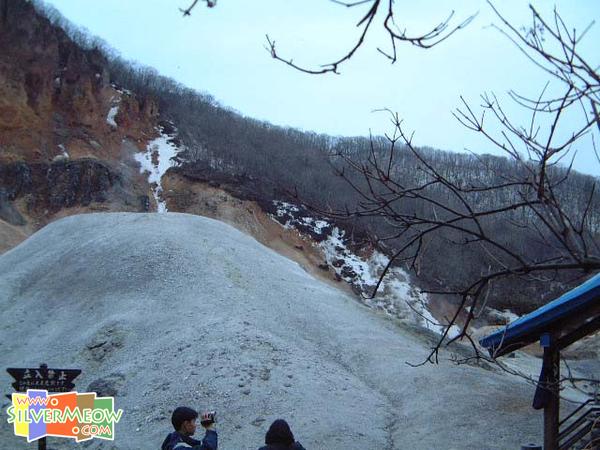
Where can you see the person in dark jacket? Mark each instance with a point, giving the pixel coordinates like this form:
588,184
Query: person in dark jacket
184,422
280,437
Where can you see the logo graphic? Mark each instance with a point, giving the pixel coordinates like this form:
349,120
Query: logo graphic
80,416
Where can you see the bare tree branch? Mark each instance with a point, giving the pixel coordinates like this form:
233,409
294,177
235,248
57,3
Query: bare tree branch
433,37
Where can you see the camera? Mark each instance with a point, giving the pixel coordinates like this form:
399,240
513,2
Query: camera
208,418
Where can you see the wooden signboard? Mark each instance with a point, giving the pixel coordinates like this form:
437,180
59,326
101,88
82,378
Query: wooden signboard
51,380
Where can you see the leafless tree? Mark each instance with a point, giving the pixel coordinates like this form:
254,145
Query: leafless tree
531,195
531,200
188,11
396,35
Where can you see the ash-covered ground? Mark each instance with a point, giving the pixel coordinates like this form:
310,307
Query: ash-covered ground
172,309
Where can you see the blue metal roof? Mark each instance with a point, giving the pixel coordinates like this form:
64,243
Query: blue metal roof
528,328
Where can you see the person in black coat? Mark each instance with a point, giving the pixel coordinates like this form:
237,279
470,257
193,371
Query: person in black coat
184,422
280,437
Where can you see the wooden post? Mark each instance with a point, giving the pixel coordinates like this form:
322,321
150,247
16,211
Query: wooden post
552,409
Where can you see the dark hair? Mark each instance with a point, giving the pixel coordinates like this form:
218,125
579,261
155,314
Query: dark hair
279,433
181,414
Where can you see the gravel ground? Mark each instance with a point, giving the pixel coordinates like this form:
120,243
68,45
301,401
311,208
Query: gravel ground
172,309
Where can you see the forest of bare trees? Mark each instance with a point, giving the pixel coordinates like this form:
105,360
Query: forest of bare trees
489,213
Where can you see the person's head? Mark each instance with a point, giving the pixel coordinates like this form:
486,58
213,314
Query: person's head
184,420
279,433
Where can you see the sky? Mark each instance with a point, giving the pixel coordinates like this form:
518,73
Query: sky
221,51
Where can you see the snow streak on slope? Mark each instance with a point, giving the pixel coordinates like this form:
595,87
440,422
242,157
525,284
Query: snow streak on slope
114,109
396,295
112,113
156,160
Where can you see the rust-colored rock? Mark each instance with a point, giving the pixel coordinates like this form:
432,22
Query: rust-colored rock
59,150
56,96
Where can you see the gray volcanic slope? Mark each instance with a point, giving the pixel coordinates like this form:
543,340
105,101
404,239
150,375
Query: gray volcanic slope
177,309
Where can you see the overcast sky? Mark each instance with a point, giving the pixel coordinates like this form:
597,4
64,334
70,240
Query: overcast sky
221,51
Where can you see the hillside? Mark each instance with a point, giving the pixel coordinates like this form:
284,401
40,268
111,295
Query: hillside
68,135
82,130
246,293
74,141
174,308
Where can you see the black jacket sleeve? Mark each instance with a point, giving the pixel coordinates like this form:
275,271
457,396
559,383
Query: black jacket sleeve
209,442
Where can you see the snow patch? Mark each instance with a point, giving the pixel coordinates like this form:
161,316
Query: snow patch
114,110
284,208
121,90
115,101
62,157
156,160
396,296
64,150
110,118
292,217
505,316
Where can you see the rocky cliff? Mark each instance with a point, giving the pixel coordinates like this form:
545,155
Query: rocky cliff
67,135
71,141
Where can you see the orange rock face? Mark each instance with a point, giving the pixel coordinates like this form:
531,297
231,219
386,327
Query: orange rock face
67,135
56,96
